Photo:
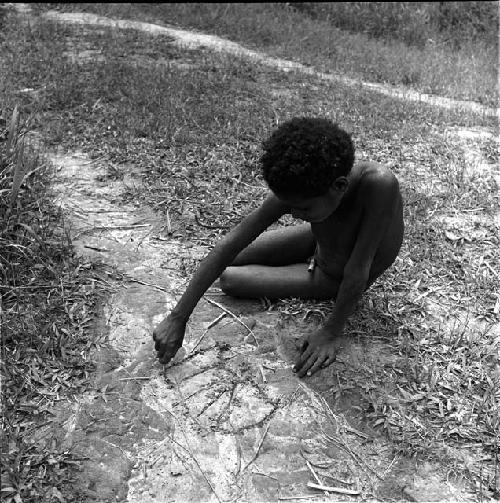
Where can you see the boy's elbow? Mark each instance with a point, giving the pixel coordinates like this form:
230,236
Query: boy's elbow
357,280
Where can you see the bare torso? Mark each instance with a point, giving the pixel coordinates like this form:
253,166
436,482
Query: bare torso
335,237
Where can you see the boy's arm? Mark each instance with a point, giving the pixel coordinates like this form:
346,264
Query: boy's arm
225,251
169,334
380,206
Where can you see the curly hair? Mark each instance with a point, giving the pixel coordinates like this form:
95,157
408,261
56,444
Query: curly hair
304,155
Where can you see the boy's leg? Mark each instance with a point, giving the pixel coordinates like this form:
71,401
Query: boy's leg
283,246
257,281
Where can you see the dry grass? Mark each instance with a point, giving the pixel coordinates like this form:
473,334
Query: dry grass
450,62
47,298
192,124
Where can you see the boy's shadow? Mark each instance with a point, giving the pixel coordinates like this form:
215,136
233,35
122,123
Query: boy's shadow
354,383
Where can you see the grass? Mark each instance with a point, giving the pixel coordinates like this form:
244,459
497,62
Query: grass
438,64
411,22
47,301
192,122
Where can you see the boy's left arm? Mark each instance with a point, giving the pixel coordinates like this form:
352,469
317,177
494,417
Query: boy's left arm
320,348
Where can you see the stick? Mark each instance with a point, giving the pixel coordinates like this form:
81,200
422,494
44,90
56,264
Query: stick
212,323
262,373
306,496
339,490
199,467
354,456
188,450
220,306
311,469
254,457
96,248
134,378
135,280
169,225
490,268
238,456
116,227
386,471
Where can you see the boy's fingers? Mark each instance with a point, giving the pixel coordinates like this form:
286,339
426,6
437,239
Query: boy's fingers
310,361
160,345
167,356
329,361
302,359
317,365
304,345
165,359
169,353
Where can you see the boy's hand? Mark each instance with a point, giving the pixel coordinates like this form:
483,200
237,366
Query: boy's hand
168,337
318,349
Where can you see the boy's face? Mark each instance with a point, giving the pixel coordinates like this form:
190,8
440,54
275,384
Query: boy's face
317,208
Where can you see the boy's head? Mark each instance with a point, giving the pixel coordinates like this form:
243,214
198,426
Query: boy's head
307,160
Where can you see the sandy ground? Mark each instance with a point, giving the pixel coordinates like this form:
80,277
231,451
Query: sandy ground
228,420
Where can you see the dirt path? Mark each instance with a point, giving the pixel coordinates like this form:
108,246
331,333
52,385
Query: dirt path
186,38
227,421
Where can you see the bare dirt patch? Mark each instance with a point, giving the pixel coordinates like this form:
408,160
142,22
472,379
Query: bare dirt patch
228,416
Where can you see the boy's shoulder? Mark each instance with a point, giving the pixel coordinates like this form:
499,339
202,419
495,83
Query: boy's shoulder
377,185
375,173
373,176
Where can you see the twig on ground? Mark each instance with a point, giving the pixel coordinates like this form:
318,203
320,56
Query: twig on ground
354,456
188,450
267,475
386,471
220,306
169,225
261,368
238,456
96,248
256,453
490,268
134,378
311,469
346,427
145,283
298,497
212,323
91,230
339,490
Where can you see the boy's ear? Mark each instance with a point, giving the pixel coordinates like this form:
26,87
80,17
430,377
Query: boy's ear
340,184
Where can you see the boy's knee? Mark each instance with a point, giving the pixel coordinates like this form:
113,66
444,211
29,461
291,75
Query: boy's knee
227,282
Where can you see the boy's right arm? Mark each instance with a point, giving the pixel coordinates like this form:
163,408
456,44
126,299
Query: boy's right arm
169,334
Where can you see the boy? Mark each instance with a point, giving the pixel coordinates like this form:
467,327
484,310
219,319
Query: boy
354,233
